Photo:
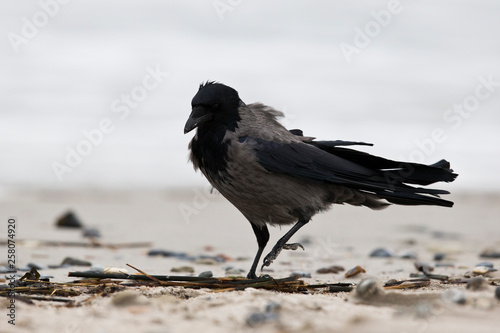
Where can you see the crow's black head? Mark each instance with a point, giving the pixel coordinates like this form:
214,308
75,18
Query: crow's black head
214,103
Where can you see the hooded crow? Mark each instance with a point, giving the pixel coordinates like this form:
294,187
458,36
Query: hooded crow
277,176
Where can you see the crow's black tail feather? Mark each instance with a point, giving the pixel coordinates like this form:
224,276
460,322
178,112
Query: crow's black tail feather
395,175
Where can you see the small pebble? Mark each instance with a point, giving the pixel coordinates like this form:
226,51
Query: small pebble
423,267
221,257
410,241
490,253
214,258
206,261
476,283
206,274
166,253
91,233
270,314
381,253
301,274
69,220
445,264
259,318
482,270
273,307
454,295
485,264
368,288
182,269
330,269
233,271
354,271
75,262
497,293
439,256
446,235
407,255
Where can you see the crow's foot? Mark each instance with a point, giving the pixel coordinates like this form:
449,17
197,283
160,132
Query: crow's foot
268,260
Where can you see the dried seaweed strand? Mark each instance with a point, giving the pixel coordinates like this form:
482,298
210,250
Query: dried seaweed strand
267,282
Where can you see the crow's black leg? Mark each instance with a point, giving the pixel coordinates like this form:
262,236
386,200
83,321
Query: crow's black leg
281,244
262,235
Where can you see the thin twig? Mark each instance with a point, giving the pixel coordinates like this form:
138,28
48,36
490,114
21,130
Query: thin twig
144,273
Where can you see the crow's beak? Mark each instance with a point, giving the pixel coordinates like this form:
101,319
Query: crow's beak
197,117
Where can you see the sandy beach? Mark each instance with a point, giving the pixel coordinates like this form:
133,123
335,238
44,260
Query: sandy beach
95,97
343,236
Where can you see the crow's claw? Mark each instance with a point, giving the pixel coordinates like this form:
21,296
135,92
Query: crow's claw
293,246
268,260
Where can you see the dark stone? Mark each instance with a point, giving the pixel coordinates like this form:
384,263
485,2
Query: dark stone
330,269
69,220
408,255
259,318
91,233
423,267
206,274
454,295
485,264
301,274
166,253
381,253
439,256
476,283
490,253
273,307
75,262
368,288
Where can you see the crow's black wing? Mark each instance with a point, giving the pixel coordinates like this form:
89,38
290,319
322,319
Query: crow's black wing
335,143
410,173
321,161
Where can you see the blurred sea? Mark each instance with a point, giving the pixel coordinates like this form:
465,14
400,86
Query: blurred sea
398,90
